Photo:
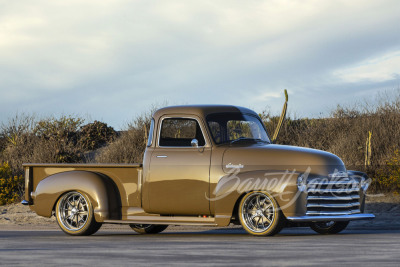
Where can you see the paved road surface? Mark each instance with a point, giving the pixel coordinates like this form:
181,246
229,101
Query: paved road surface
219,247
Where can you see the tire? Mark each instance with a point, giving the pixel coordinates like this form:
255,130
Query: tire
329,227
260,215
74,214
148,228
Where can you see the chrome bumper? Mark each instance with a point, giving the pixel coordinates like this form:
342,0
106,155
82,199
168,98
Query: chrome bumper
351,217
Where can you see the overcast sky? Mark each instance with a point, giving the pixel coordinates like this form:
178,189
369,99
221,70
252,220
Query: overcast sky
112,60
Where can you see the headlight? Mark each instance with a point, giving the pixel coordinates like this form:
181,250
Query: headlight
302,183
364,183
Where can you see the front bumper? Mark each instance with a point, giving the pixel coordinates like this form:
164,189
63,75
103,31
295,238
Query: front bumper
351,217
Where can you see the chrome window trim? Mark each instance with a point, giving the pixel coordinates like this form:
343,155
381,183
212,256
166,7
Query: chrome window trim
206,143
151,133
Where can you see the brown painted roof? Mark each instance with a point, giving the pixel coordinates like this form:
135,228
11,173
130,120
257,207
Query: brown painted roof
200,110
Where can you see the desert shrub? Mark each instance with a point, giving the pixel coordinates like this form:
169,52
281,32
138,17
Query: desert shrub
18,141
130,146
64,129
388,176
58,140
95,135
50,140
11,187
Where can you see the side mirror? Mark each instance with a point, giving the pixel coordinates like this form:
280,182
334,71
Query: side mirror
195,143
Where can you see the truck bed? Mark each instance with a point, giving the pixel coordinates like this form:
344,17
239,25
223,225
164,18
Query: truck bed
126,178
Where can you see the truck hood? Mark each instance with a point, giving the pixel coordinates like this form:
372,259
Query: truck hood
273,157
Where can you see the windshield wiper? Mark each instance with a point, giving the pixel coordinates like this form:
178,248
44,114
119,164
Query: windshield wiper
246,139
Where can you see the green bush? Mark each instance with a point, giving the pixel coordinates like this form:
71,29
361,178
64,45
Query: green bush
11,187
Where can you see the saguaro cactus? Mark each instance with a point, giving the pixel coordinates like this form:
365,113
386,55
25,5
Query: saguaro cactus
281,119
368,150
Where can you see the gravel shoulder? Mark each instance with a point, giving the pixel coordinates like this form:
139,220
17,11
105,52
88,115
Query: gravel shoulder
386,209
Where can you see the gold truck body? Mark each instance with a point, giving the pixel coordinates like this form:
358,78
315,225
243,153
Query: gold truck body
202,179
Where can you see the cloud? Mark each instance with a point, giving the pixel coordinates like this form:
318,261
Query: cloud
380,69
114,59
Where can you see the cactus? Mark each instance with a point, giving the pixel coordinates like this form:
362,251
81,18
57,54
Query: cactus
281,119
368,150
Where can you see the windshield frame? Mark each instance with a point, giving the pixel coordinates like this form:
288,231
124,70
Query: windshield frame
268,141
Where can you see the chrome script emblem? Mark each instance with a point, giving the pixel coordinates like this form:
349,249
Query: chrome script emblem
234,166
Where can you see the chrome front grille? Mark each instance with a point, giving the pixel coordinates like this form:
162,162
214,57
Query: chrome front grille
335,197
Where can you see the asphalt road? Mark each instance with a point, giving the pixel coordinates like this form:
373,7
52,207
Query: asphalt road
219,247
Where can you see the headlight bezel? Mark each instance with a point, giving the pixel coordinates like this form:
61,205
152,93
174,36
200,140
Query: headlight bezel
302,183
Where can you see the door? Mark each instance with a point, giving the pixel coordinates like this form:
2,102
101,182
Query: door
178,180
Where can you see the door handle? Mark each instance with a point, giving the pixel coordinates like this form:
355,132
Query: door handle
162,156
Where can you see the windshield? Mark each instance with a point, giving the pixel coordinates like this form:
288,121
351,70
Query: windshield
235,127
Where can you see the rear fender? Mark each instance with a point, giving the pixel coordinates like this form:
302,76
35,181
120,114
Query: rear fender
100,189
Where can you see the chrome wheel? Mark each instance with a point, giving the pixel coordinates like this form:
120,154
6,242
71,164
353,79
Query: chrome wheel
73,211
258,212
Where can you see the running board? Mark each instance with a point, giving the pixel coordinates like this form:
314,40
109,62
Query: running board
170,220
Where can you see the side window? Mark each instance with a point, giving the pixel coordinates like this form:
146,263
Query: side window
180,132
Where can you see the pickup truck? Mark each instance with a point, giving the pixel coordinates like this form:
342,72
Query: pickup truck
209,165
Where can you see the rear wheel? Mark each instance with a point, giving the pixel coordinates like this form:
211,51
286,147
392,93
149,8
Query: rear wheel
329,227
148,228
260,214
74,214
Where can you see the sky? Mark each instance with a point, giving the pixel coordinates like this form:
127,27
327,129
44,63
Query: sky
112,60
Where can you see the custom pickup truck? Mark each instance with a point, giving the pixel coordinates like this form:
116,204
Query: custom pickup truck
204,165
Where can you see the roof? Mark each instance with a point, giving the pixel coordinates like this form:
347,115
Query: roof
200,110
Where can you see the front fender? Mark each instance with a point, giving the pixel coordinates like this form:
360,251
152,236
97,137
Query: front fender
94,185
282,185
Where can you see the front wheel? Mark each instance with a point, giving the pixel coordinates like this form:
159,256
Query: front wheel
329,227
260,214
148,228
74,214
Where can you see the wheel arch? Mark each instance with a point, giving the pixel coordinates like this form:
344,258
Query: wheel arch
100,189
280,184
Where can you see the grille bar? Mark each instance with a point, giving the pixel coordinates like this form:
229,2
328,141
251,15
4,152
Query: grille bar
333,190
350,197
333,198
333,205
332,213
341,183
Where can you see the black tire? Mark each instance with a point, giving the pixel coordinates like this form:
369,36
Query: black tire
329,227
148,228
260,215
74,214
